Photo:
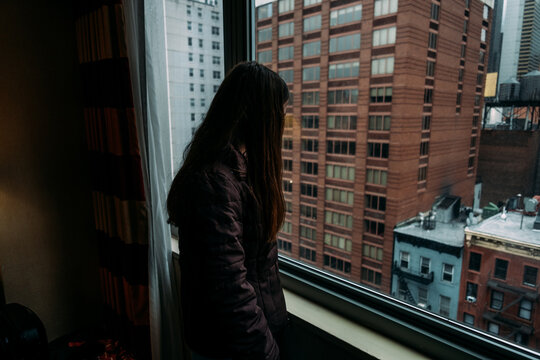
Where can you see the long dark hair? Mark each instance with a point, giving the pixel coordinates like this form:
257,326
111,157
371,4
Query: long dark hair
248,109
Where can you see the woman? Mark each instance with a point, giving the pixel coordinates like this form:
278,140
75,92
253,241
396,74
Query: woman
227,202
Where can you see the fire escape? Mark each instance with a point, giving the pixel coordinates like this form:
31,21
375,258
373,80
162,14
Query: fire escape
404,275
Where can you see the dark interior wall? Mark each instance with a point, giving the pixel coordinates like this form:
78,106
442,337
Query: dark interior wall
48,255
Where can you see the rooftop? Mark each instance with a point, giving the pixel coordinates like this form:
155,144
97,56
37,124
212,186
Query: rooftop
507,229
451,234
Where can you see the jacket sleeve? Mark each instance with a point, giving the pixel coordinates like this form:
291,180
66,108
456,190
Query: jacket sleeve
217,221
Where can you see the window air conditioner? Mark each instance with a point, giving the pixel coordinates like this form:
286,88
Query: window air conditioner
422,305
471,299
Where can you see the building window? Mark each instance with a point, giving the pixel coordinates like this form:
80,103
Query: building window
432,40
430,68
501,267
335,218
483,35
522,339
340,147
380,94
378,150
340,172
311,2
310,98
338,195
425,264
285,5
285,53
471,292
192,102
287,165
310,122
384,36
312,23
308,190
529,275
424,148
216,60
216,88
200,28
341,122
189,25
311,73
287,185
264,11
384,7
346,15
286,227
374,227
373,252
308,167
190,41
287,75
382,66
202,88
426,122
525,309
422,173
264,56
343,96
444,308
375,202
287,143
475,260
458,98
203,102
191,87
485,13
404,258
338,264
215,45
308,211
201,73
216,74
308,233
284,245
311,48
307,253
343,70
497,300
199,12
214,15
215,30
201,58
264,34
192,116
493,328
286,29
447,272
376,176
201,43
471,162
468,319
371,276
310,145
434,11
190,56
188,9
428,96
344,43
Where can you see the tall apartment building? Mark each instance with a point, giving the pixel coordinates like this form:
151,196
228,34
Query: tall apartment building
386,99
195,64
521,39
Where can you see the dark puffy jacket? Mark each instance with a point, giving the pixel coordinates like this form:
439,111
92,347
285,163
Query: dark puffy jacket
232,300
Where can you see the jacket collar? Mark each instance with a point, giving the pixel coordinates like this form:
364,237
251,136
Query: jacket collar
237,162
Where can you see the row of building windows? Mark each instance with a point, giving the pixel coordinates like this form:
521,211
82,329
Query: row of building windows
335,218
215,44
337,264
338,242
216,60
308,233
215,74
214,29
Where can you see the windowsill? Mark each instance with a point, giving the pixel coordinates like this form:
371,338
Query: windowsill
358,336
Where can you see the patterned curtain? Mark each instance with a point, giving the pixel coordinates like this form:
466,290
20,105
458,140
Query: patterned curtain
116,174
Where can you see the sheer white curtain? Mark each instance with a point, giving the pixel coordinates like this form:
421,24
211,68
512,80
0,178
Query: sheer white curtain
146,46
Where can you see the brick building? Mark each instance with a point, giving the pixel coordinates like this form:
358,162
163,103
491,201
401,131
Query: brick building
386,99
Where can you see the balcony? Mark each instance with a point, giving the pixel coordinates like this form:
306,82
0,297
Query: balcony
424,279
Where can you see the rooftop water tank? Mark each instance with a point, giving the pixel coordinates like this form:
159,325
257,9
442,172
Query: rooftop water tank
530,87
509,90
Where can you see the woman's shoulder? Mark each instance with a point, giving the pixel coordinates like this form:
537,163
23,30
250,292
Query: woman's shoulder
215,183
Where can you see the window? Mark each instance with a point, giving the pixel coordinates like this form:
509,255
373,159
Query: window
308,211
312,48
285,53
339,195
465,26
425,264
284,245
444,308
373,252
201,73
286,29
202,88
468,319
215,45
485,13
308,190
200,28
310,145
422,173
497,300
340,172
340,147
203,102
199,12
430,68
501,266
188,9
308,233
287,165
522,339
310,98
343,96
264,56
525,309
404,258
428,96
344,43
214,15
375,202
192,102
310,122
286,227
384,7
379,122
311,2
380,94
287,185
190,41
426,122
376,176
190,72
189,25
447,272
311,73
216,74
472,291
216,88
307,253
371,276
346,15
309,167
493,328
434,11
384,36
264,34
338,242
287,75
287,143
432,40
335,218
475,260
191,87
424,148
264,11
201,43
529,275
379,150
374,227
337,264
312,23
192,117
285,5
483,35
343,70
458,98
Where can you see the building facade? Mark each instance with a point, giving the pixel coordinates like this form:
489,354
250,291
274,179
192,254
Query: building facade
384,117
499,285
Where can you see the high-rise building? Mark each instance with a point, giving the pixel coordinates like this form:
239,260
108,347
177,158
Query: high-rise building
495,42
521,39
195,64
384,116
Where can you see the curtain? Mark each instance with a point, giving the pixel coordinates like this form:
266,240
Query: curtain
118,191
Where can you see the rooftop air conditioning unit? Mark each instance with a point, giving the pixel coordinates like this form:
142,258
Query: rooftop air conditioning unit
471,299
